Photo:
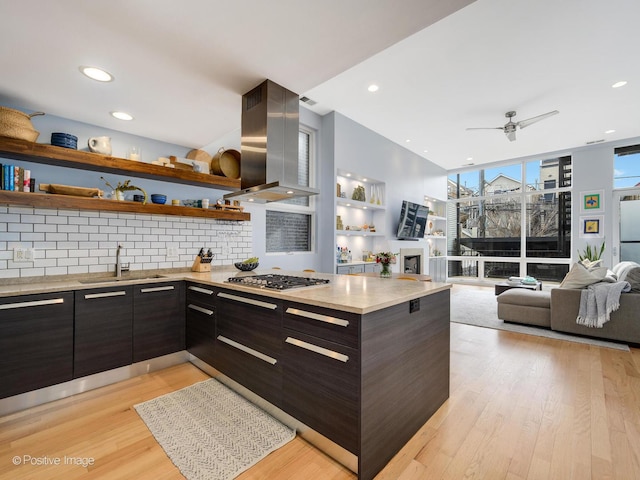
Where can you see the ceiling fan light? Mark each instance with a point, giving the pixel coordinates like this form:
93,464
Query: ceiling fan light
373,88
97,74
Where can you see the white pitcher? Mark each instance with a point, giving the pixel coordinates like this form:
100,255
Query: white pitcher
100,145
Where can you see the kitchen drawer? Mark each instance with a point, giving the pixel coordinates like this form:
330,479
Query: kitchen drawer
158,320
332,325
103,337
251,320
201,294
255,370
36,341
201,329
321,388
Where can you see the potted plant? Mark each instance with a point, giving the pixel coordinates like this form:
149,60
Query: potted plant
592,254
120,188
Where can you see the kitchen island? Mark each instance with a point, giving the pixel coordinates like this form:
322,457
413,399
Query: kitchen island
361,362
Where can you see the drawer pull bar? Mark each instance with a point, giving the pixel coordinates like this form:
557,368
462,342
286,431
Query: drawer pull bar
251,301
248,350
119,293
33,303
317,316
206,311
201,290
315,348
157,289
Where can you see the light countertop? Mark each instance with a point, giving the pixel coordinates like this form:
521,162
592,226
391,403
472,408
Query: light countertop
356,294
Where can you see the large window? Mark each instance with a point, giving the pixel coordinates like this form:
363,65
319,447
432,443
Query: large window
509,214
626,168
289,223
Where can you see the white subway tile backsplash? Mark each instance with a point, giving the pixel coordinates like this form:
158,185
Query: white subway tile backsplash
71,242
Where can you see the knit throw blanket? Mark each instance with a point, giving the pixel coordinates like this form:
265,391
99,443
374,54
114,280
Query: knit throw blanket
597,302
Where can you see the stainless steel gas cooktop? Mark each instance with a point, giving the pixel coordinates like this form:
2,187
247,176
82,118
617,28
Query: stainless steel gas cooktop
277,282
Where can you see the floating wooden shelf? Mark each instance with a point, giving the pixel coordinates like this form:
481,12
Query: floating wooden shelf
44,200
65,157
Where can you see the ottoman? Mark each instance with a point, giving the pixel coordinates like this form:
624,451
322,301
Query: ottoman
520,305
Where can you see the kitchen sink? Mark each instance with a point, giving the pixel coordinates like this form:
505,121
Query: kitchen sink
123,278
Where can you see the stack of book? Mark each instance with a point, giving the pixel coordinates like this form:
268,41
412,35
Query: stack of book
16,179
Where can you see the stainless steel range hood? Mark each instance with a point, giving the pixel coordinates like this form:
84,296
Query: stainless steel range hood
269,157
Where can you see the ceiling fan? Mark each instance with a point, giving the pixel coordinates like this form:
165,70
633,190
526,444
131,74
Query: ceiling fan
510,127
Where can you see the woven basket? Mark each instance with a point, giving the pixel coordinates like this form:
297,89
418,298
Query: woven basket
16,124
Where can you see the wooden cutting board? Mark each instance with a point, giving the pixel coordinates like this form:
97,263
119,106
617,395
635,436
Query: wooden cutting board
200,155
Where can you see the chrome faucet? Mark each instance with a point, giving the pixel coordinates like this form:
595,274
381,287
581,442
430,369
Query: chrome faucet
118,264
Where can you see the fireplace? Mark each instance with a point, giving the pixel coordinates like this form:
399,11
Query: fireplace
412,260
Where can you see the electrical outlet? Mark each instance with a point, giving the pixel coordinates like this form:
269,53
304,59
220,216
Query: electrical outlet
23,254
172,252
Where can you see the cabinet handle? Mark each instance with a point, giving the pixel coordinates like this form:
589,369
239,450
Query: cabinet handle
206,311
316,316
32,303
119,293
251,301
250,351
201,290
315,348
157,289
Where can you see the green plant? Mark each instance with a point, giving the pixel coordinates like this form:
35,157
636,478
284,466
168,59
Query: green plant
124,187
591,253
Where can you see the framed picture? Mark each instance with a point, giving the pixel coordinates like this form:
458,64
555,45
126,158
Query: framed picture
592,226
592,201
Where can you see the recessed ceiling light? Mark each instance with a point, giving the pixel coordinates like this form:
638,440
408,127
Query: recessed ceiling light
469,159
609,131
122,115
348,174
289,192
619,84
364,179
425,150
96,73
408,140
373,87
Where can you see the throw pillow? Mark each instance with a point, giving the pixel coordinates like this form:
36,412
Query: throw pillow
621,269
633,277
580,277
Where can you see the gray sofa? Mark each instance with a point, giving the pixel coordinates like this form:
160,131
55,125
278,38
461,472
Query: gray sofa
623,326
558,308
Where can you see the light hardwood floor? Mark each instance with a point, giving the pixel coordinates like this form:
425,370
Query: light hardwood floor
521,407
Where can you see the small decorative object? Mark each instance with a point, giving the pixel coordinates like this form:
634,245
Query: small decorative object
248,264
358,194
158,198
120,188
64,140
100,145
135,154
430,227
338,189
385,259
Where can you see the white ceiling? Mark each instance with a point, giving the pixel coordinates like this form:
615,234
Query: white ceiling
181,67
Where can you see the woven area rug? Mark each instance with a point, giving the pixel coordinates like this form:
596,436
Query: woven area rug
210,432
478,306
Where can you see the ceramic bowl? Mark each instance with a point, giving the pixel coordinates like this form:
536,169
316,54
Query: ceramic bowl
246,267
158,198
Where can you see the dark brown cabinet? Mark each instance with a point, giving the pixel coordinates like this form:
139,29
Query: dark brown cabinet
201,321
249,342
36,341
321,367
158,320
103,336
